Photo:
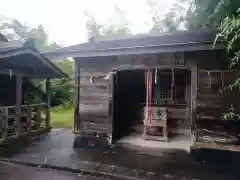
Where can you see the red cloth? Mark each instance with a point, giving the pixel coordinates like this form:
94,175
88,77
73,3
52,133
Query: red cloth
149,74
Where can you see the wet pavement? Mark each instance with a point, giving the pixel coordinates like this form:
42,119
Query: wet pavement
17,172
56,152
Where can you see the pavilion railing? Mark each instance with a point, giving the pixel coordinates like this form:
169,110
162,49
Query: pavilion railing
33,119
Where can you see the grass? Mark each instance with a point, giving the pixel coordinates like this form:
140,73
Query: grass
62,117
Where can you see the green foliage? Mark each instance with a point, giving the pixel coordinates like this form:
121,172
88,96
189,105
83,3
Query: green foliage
93,28
96,31
62,116
62,89
230,34
209,13
225,16
232,114
15,30
62,92
113,32
170,21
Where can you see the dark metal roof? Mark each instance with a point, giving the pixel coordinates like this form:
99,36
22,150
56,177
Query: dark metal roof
174,41
19,59
184,37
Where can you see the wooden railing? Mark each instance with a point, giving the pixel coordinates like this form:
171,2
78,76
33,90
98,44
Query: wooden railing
33,119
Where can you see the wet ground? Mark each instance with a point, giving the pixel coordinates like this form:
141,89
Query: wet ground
18,172
55,151
178,142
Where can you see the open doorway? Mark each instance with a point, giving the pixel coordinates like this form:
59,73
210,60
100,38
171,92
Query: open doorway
170,90
129,99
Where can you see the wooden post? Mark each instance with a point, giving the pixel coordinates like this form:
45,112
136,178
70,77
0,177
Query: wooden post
29,119
18,103
111,107
77,96
38,117
48,93
5,123
194,86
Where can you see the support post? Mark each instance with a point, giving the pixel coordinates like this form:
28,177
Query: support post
77,96
18,103
5,122
38,117
29,119
48,93
194,87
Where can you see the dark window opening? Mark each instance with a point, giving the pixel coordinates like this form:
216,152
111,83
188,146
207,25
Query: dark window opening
169,88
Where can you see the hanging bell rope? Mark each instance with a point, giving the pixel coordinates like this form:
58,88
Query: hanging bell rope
155,78
149,97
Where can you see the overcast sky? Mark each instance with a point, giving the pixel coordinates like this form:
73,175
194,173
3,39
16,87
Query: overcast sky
64,20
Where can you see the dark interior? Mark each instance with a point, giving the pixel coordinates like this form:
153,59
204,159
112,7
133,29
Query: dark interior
129,97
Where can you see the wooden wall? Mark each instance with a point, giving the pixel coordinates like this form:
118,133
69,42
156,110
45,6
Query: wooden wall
95,100
211,103
95,115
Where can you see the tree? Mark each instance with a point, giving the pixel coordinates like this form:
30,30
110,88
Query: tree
97,31
62,89
170,21
209,14
113,32
230,34
15,30
93,28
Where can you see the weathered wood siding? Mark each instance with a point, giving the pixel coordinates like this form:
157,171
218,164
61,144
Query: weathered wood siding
94,102
178,119
95,90
211,103
94,115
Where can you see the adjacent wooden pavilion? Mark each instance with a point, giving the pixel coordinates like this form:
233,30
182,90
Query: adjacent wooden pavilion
112,85
20,63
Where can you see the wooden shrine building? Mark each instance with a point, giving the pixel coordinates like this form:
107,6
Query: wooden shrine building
20,63
125,84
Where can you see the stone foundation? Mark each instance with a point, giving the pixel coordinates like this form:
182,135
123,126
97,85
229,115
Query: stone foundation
92,140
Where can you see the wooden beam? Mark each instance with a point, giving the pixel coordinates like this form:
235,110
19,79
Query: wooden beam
18,103
77,96
48,94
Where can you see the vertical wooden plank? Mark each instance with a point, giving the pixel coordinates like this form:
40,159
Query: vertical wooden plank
18,103
188,99
5,123
29,118
38,117
77,95
48,93
194,86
